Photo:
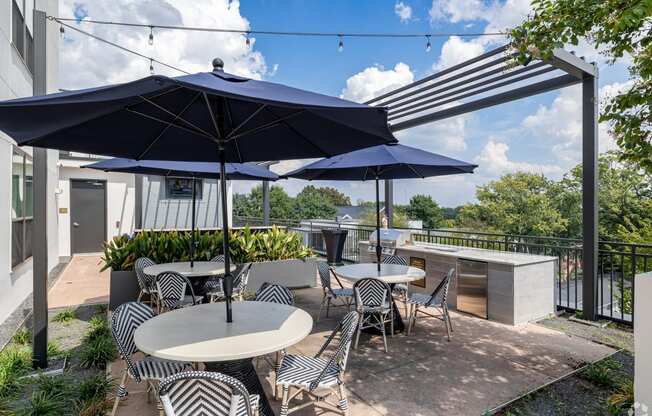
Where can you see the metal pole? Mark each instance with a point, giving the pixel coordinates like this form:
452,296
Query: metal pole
265,202
228,278
378,247
589,196
389,202
192,226
40,234
138,208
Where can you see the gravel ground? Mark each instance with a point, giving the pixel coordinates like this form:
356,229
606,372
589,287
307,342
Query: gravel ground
614,335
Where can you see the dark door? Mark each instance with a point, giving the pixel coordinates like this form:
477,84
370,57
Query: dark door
87,215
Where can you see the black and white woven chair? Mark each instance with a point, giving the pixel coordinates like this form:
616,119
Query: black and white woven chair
319,376
218,259
374,306
437,300
400,289
270,292
214,283
126,318
146,282
240,282
171,287
204,393
339,296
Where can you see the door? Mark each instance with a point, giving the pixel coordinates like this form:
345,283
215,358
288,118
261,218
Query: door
87,215
472,279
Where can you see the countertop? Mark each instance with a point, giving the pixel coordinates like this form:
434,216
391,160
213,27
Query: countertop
478,254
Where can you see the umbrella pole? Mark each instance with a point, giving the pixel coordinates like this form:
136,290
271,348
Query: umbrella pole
192,226
378,247
228,278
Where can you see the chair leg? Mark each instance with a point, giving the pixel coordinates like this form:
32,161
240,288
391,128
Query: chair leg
140,295
391,322
450,321
285,400
382,329
122,392
343,404
277,368
405,304
357,332
446,322
321,306
328,306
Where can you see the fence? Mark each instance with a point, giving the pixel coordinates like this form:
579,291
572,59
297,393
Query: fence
618,262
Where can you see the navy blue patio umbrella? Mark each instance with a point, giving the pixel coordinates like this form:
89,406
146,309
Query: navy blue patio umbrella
208,117
381,162
193,170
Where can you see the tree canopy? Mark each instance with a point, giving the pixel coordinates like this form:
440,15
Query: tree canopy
617,28
424,208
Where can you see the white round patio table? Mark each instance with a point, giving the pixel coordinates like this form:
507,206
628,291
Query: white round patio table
199,269
388,273
200,334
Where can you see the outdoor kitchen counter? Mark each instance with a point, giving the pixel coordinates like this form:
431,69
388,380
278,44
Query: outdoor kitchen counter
520,287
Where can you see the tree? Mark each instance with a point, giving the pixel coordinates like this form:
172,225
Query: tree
336,197
517,203
424,208
280,203
616,28
399,218
311,203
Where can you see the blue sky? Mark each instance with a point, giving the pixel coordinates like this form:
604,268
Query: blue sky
539,134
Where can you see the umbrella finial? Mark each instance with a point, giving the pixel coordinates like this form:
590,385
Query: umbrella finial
218,64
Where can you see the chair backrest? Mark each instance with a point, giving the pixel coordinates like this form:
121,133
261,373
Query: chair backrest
172,289
395,259
274,293
124,321
219,258
242,279
442,289
371,292
192,393
346,328
325,271
145,281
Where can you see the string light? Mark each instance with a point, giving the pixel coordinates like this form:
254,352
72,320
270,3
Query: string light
62,31
151,35
428,45
247,41
340,46
151,66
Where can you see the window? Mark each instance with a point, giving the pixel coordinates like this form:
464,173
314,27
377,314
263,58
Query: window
181,188
21,34
22,207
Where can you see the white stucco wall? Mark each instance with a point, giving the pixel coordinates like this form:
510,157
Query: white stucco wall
16,81
120,199
643,341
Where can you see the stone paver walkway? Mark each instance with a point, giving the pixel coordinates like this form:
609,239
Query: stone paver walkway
484,365
81,282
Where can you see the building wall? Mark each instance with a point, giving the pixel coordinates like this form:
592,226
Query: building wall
643,342
16,81
120,199
160,212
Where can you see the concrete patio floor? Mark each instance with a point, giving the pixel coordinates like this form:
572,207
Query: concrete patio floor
80,283
484,365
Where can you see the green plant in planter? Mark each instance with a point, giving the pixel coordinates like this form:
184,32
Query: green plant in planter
275,244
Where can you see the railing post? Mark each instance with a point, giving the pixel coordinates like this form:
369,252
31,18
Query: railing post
634,267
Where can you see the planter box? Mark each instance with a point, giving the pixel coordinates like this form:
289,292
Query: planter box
291,273
123,288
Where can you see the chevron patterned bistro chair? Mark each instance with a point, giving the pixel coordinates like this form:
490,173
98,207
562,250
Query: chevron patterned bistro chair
204,393
146,282
240,282
374,306
126,318
214,284
171,287
400,289
437,300
342,295
319,376
274,293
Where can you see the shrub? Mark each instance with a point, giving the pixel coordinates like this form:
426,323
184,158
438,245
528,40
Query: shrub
622,399
92,396
42,404
98,328
52,385
603,373
168,246
14,363
65,317
97,345
22,337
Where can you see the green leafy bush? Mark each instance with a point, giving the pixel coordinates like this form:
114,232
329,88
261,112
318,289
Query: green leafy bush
168,246
97,346
43,404
92,396
22,337
603,373
65,317
14,363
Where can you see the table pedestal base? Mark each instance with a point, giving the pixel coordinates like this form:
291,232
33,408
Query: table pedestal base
399,326
244,371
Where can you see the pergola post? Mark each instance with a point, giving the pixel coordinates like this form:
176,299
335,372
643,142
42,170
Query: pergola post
265,202
389,202
138,206
39,236
589,196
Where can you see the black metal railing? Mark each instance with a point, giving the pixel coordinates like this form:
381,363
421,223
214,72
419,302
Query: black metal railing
618,262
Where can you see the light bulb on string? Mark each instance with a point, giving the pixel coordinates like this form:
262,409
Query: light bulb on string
151,66
340,46
151,36
428,45
247,40
62,31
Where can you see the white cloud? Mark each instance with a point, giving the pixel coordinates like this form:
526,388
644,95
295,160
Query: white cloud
374,81
456,50
499,15
493,159
444,136
86,62
403,11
